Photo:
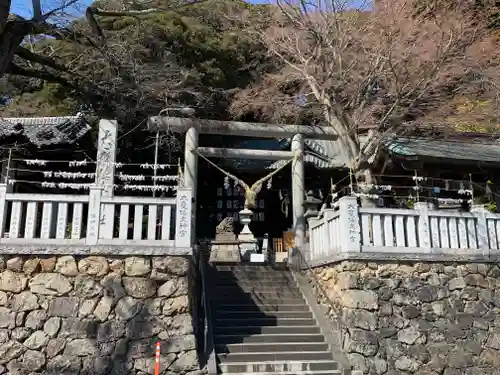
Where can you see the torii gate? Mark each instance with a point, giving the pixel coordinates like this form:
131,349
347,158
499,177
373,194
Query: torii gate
192,127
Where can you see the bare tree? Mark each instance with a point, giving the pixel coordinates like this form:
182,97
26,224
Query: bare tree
360,69
14,29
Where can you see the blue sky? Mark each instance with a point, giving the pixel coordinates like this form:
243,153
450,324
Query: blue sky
23,7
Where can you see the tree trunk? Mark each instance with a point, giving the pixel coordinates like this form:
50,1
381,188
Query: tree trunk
10,39
4,14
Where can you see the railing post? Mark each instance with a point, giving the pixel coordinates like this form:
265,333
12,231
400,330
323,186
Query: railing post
105,172
183,217
483,242
93,221
3,208
313,251
350,231
424,235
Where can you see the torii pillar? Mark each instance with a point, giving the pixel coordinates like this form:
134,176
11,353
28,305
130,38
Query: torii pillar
191,170
298,190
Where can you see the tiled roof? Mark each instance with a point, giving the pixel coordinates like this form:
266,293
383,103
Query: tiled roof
320,153
485,150
327,155
45,131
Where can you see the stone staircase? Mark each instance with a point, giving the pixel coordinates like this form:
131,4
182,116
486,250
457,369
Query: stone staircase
263,326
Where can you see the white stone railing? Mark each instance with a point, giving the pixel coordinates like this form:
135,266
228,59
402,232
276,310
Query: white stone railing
353,229
323,238
56,219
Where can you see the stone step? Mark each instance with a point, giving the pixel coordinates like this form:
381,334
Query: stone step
256,286
241,314
268,281
273,366
252,307
264,322
268,287
251,267
257,294
272,347
256,300
268,330
250,300
269,338
271,273
274,356
236,289
218,279
252,271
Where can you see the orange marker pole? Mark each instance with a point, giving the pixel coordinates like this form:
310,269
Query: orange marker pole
157,359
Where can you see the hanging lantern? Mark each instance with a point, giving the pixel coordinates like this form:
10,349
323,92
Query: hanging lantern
226,183
269,183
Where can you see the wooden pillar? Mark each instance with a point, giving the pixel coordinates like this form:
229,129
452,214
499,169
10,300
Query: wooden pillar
105,172
298,191
191,170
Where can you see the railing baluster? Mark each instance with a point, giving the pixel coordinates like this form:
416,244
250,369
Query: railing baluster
471,233
107,224
76,224
443,232
388,231
377,231
462,233
497,227
434,226
46,220
452,229
400,231
15,219
365,228
62,220
411,231
31,215
3,209
337,234
152,222
165,222
138,218
491,233
123,225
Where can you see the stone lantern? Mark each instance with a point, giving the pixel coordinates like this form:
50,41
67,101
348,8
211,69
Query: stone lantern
311,204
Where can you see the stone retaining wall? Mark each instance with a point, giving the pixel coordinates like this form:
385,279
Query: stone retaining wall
95,315
420,318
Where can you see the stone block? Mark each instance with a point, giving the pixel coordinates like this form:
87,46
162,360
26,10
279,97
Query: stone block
419,318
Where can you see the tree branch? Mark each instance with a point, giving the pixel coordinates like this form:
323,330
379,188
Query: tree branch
92,12
4,14
37,9
46,76
33,57
10,39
